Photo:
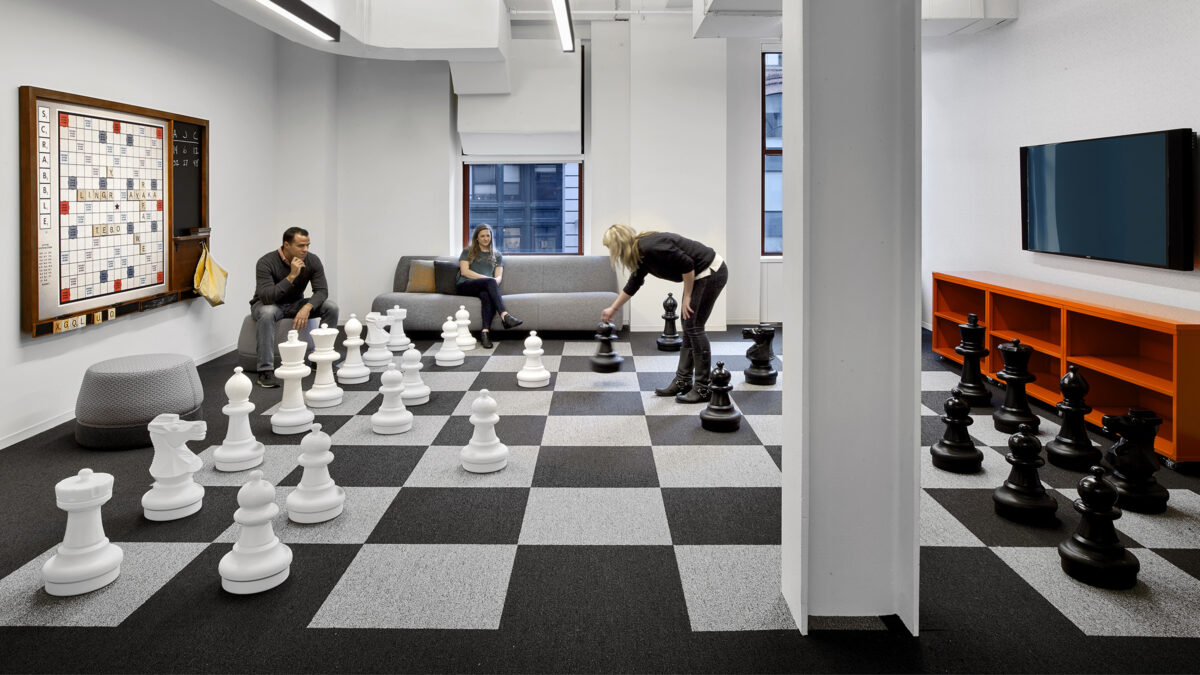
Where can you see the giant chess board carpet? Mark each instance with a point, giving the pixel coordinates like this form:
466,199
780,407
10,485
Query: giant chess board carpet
621,538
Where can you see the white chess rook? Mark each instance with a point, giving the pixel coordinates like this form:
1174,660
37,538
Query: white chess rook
324,392
533,373
258,561
292,417
392,417
353,370
484,453
85,560
377,356
241,450
449,355
317,498
463,319
416,392
397,340
174,493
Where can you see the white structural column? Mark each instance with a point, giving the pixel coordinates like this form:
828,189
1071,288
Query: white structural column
851,101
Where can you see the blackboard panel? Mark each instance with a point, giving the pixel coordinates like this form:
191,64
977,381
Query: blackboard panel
188,153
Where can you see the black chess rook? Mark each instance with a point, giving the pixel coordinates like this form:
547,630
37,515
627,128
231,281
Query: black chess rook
1093,554
956,452
605,360
1022,497
972,350
760,354
1015,411
1071,448
1134,461
720,415
670,340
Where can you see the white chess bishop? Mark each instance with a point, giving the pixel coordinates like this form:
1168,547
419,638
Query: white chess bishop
484,453
174,493
85,560
397,340
317,498
353,370
462,318
241,450
292,417
377,356
449,354
415,392
258,561
392,417
324,392
533,373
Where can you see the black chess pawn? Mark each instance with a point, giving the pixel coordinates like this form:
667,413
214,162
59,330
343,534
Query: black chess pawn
720,415
1093,554
605,360
1015,411
1022,497
1134,461
670,340
760,354
972,350
1071,448
956,452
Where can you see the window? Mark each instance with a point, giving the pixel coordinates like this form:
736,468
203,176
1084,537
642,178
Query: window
532,208
772,153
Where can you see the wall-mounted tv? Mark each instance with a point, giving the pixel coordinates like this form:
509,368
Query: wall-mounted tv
1124,198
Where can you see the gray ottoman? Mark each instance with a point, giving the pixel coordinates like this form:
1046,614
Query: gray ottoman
119,397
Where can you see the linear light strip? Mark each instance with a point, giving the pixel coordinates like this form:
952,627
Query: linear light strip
285,13
562,18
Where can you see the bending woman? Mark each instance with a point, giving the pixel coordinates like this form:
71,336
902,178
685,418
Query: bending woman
480,268
703,273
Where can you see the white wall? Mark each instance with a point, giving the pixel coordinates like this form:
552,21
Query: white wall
606,172
180,56
743,180
1066,70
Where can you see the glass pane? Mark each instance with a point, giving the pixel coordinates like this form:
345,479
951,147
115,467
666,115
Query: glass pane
773,204
773,100
540,218
512,173
773,234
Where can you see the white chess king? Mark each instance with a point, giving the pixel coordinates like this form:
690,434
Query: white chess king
85,560
241,450
292,417
484,453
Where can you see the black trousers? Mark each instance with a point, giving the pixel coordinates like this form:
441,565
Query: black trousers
704,295
488,292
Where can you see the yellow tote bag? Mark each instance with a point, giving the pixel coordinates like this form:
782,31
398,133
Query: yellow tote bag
210,278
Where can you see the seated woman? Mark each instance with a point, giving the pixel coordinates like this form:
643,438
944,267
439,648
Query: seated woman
480,268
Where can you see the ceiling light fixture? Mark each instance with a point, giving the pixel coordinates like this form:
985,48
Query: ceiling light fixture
562,19
305,17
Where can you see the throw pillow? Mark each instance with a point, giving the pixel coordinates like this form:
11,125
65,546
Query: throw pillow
445,274
420,277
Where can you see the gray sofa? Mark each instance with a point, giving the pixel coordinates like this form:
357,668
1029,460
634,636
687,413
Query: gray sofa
547,292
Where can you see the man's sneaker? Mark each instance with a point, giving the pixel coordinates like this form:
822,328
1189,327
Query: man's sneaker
266,378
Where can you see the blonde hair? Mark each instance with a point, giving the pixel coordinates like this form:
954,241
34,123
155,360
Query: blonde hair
621,241
474,250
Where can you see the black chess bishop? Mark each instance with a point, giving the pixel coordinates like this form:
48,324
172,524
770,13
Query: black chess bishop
1093,554
956,452
1134,461
972,350
720,415
605,360
1071,448
1022,497
760,354
670,340
1015,411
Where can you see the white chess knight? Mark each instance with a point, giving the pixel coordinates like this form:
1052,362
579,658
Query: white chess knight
463,319
174,494
317,498
258,561
449,354
85,560
392,417
484,453
415,392
292,417
397,340
241,450
533,373
353,370
324,392
377,356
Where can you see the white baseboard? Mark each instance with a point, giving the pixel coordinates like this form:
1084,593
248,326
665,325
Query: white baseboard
927,325
218,352
657,327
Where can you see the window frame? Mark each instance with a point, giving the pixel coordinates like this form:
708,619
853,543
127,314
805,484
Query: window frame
466,202
765,152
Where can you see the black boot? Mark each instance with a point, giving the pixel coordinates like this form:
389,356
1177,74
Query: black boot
700,392
683,376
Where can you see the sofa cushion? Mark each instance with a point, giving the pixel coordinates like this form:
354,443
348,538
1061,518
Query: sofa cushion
421,278
445,276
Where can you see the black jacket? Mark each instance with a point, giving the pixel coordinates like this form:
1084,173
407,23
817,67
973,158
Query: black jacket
668,256
272,287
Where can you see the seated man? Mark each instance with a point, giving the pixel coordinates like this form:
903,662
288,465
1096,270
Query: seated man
281,277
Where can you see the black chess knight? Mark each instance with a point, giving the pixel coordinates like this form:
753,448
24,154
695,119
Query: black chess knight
760,354
956,452
1134,461
1071,448
1015,411
972,350
670,340
1093,554
1022,497
605,360
720,415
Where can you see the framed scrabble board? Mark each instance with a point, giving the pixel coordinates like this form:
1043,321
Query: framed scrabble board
111,195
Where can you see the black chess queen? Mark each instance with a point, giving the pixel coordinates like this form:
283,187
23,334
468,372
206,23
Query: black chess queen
480,269
703,273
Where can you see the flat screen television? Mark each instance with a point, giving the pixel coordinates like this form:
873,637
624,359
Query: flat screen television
1124,198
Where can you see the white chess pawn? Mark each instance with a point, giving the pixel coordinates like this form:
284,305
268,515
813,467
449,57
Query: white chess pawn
416,392
392,417
324,392
317,498
463,319
377,356
533,374
174,493
258,561
449,354
397,340
353,370
85,560
484,453
292,417
241,450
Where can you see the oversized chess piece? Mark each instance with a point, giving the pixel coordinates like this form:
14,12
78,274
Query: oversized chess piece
670,340
972,350
392,417
292,417
241,450
353,370
1022,497
1134,461
85,560
258,561
324,392
415,392
449,354
484,453
760,354
378,355
317,498
605,360
174,494
1093,554
462,318
533,373
1015,411
720,415
956,452
397,340
1071,448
